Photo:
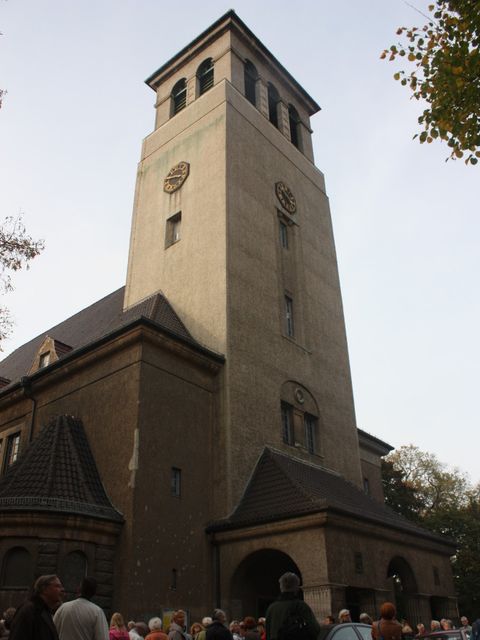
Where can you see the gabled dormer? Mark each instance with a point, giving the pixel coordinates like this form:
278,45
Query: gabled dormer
49,352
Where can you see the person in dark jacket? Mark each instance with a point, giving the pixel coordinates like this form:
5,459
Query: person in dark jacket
33,619
287,603
217,629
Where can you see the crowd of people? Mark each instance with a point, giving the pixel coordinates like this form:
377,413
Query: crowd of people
43,616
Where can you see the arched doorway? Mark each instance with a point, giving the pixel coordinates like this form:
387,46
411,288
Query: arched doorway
254,584
404,587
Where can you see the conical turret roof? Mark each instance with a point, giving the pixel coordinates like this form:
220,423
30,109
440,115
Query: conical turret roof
57,473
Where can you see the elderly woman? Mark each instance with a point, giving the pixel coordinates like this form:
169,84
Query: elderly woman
387,628
156,633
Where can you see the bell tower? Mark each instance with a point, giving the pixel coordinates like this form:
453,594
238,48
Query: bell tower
231,223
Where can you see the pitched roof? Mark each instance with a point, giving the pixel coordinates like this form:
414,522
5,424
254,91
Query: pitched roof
282,486
94,322
57,473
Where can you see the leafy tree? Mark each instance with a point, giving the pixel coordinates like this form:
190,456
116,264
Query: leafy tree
17,249
422,489
445,53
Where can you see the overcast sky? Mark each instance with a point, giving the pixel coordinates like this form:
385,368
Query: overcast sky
406,223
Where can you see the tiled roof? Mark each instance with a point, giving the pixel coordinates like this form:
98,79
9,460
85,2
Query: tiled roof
57,473
282,486
94,322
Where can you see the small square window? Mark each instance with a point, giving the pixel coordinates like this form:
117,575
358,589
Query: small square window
176,479
173,229
44,360
283,228
358,561
289,329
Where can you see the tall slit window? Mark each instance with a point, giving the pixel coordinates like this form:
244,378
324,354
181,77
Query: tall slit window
310,424
294,120
289,328
273,100
287,423
205,76
179,96
173,229
251,77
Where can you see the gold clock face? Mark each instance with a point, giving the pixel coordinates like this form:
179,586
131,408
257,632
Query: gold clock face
286,197
176,177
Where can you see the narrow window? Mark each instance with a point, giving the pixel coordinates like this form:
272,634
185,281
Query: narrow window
310,423
289,317
179,96
366,486
173,229
294,120
273,100
436,576
251,77
287,423
358,562
176,479
205,76
13,448
283,235
44,360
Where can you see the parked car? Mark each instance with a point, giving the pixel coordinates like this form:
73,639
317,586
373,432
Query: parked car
451,634
346,631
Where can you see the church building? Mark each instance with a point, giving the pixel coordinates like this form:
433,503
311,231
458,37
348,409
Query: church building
192,435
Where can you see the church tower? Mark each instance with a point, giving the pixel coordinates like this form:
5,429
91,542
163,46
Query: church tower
231,223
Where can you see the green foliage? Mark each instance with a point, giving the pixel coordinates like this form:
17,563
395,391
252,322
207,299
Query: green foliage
17,249
445,53
422,489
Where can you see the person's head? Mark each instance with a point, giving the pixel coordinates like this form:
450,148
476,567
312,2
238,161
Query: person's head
261,624
206,621
344,616
249,623
329,620
8,616
179,617
88,587
117,622
421,628
435,625
130,625
388,611
234,626
289,582
406,628
50,590
155,624
219,615
365,619
141,628
196,628
464,620
446,624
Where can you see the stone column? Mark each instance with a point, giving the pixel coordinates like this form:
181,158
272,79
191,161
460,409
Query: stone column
324,599
191,89
283,119
262,97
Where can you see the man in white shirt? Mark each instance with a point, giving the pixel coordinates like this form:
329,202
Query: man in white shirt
81,619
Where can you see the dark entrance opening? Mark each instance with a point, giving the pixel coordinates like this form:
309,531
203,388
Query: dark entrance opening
254,584
404,587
